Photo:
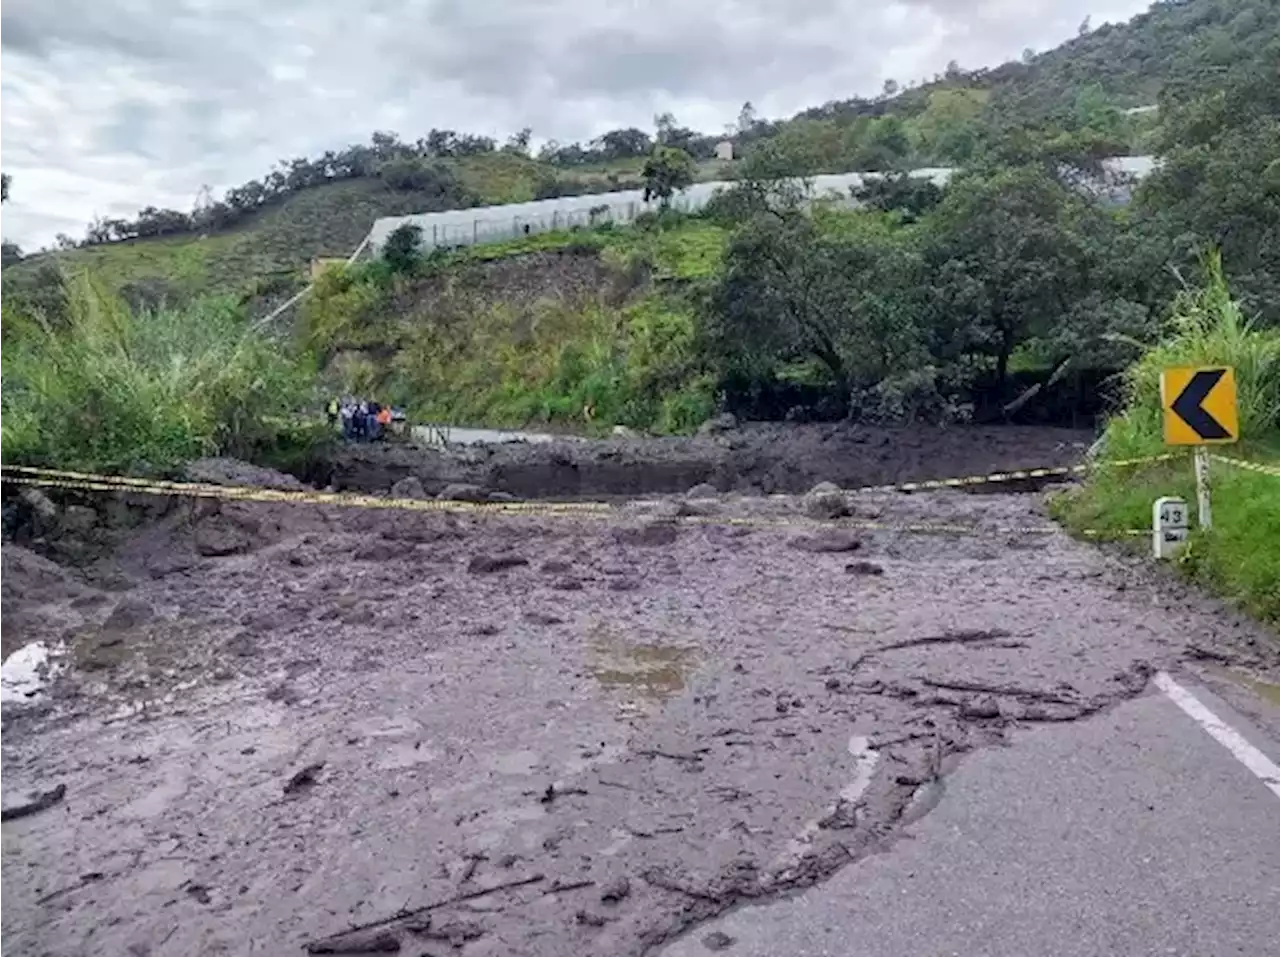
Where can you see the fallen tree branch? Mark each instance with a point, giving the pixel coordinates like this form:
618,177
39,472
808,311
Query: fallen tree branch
406,912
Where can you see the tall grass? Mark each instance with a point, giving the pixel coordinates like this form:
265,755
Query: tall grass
112,389
1207,328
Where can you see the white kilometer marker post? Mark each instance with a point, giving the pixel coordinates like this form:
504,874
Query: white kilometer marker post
1168,527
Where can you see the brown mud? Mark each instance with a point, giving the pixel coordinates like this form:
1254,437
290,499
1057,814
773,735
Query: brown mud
758,458
292,727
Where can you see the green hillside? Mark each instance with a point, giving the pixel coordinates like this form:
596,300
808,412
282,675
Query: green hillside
324,206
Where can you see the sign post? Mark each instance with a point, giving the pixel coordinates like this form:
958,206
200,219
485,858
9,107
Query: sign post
1200,409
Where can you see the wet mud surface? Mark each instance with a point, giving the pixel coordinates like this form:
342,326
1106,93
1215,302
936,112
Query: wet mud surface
283,728
759,458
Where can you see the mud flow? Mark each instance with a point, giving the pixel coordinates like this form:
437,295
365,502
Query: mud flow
291,729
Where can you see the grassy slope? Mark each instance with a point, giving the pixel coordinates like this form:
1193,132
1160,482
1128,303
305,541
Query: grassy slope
325,221
532,330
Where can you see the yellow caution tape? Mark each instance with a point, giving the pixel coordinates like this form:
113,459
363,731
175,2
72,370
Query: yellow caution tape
1272,470
550,509
923,485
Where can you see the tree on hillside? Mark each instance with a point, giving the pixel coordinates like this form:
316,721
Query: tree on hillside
1219,182
667,171
1008,262
403,248
4,187
792,292
518,143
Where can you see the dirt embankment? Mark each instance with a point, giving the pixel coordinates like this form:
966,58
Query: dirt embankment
760,459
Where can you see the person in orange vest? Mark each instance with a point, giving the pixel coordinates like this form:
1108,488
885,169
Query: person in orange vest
384,419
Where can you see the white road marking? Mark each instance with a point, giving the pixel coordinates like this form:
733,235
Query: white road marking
1231,739
864,764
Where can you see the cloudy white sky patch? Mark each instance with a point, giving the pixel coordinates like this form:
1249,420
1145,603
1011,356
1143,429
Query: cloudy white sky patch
111,105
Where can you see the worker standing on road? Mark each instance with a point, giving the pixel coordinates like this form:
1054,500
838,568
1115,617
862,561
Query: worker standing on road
384,420
331,412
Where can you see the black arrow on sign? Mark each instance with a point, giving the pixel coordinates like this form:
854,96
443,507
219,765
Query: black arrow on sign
1188,406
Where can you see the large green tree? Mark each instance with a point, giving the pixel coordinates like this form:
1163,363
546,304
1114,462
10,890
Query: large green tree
1009,259
795,290
667,171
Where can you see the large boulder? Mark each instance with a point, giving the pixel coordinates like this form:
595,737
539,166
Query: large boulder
409,487
824,502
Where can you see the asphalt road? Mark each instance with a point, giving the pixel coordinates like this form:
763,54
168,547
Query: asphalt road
1132,833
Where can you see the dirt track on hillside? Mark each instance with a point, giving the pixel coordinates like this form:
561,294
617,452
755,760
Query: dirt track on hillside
535,735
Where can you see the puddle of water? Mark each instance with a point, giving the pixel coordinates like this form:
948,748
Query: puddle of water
1267,690
651,670
25,673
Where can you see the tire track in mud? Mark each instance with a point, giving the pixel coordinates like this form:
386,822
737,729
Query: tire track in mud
667,739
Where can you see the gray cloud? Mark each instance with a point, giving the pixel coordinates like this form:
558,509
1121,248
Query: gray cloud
110,105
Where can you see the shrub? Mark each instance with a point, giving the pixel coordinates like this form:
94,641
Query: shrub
403,248
1207,327
117,390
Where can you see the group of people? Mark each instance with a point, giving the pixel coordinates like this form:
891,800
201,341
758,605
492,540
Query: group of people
362,420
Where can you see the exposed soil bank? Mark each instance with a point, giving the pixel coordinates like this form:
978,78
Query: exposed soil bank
764,458
539,736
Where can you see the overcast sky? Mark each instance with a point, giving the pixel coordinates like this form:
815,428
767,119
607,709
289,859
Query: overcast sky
111,105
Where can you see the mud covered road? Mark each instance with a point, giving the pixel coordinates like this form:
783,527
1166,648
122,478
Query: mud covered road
541,736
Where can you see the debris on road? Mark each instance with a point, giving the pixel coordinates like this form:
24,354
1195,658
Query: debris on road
303,778
39,802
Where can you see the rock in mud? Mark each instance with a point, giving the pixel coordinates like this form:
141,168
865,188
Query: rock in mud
542,618
216,541
463,492
703,490
303,778
718,940
410,487
824,502
830,540
39,503
864,568
14,806
718,425
567,584
625,432
652,534
982,706
615,892
130,613
488,564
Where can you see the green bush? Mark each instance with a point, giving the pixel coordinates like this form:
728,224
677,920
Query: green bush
116,390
